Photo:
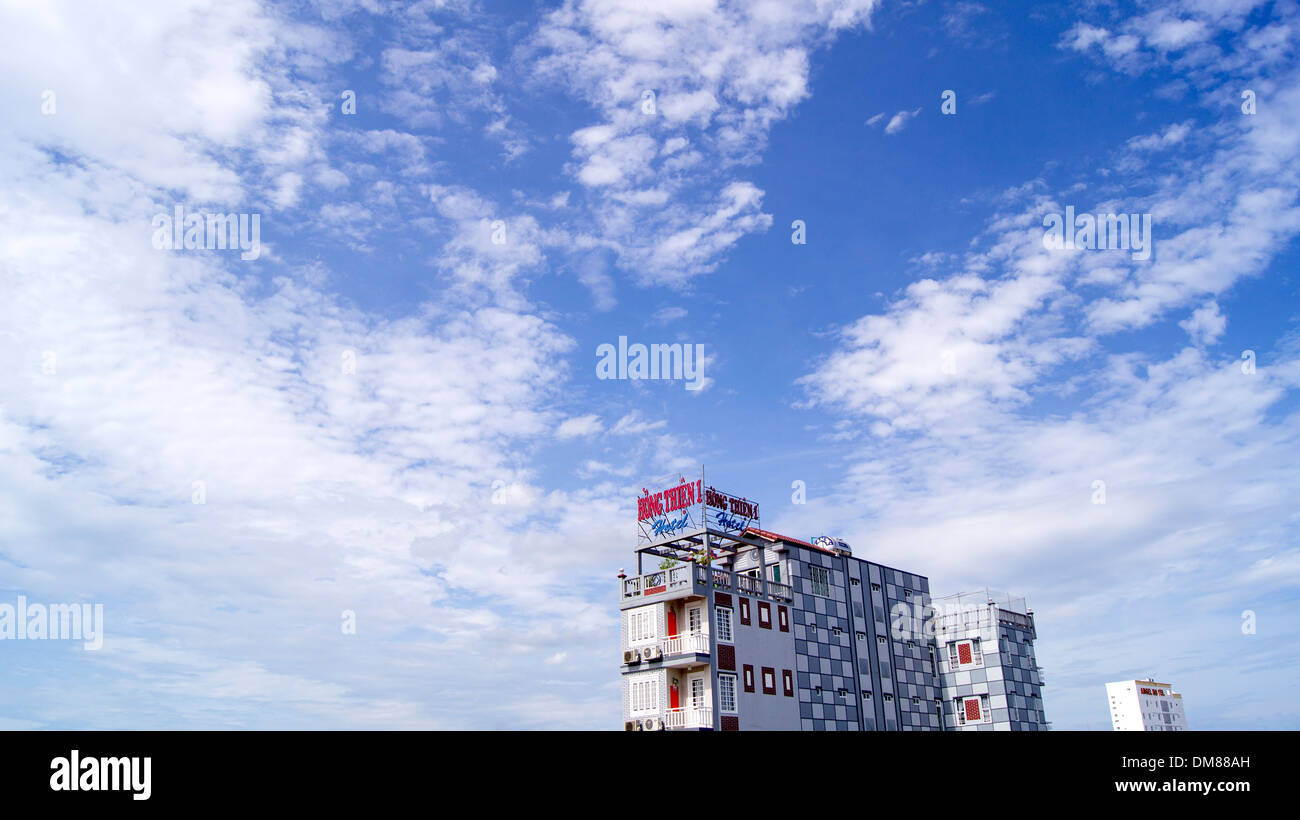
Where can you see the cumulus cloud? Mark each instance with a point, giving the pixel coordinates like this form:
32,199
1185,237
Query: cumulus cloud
686,95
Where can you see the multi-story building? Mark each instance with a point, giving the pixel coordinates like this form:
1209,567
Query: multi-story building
991,680
1145,706
736,627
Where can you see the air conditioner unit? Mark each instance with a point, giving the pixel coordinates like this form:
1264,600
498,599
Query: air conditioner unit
654,724
631,656
631,725
651,653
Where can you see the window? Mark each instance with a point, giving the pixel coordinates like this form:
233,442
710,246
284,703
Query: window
694,620
769,680
727,693
837,631
723,616
875,587
783,618
862,636
764,615
821,581
644,695
964,712
749,677
744,612
972,709
888,697
866,695
697,692
842,693
787,683
642,624
907,593
965,653
880,639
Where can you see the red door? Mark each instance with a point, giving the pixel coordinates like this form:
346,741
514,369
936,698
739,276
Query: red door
674,698
672,623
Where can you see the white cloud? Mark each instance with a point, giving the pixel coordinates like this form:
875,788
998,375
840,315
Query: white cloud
900,120
588,425
714,77
1206,324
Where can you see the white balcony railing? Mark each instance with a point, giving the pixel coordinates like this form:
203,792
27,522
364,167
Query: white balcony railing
686,576
658,581
689,717
686,644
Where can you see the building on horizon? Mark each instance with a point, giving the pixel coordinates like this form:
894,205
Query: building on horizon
991,679
1145,706
735,627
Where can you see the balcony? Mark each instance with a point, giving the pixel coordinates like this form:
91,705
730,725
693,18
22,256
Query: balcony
689,717
782,592
680,581
690,580
681,650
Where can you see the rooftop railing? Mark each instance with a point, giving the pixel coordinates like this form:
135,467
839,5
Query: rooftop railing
686,576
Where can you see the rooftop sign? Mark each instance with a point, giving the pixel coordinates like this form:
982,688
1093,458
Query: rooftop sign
674,509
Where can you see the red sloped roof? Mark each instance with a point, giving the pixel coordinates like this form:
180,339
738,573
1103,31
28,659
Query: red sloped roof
776,536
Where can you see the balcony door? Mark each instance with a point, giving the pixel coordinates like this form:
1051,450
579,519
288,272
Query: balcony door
672,622
696,684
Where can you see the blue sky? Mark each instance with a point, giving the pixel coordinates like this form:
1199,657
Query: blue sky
948,389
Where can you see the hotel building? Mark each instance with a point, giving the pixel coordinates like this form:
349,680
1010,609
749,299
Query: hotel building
735,627
1145,706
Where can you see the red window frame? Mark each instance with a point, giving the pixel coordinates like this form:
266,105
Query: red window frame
749,678
764,614
744,612
769,673
783,618
787,683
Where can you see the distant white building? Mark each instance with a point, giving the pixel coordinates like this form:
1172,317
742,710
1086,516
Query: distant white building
1145,706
